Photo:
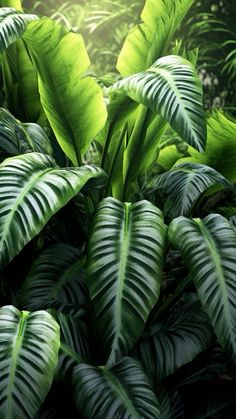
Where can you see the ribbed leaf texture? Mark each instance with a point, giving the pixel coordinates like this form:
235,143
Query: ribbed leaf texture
32,189
55,276
122,392
29,344
172,88
12,25
185,183
18,138
76,343
208,247
175,341
125,258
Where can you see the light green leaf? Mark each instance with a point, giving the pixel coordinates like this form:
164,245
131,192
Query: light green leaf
172,88
220,151
208,247
73,102
29,344
32,189
151,39
12,25
120,392
125,258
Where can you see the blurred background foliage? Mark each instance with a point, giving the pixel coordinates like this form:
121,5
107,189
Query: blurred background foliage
210,27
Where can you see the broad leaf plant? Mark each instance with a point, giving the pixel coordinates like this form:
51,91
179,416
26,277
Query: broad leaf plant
117,246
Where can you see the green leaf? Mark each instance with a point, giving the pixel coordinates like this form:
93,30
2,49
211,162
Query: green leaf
151,39
55,276
32,189
125,258
76,343
18,138
220,151
73,103
29,344
213,402
120,392
185,183
175,340
172,88
208,248
12,25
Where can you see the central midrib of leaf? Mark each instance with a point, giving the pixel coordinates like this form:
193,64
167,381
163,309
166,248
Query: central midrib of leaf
124,245
63,280
118,389
29,184
219,274
168,78
16,347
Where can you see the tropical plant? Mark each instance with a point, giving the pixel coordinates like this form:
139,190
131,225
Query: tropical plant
118,282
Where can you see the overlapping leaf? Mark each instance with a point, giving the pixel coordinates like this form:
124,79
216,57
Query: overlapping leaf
32,189
13,23
56,276
172,88
120,392
29,344
209,247
185,183
175,341
150,40
125,258
18,138
73,103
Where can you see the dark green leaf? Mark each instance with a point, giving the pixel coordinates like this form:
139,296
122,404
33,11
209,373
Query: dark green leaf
120,392
125,258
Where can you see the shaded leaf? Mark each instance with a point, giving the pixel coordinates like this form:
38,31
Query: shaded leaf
120,392
208,247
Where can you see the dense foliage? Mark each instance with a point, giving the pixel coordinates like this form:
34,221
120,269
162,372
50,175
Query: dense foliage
117,227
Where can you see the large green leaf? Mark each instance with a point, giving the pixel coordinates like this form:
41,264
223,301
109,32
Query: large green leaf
125,258
175,340
185,184
151,39
73,103
120,392
29,344
172,88
12,25
32,189
208,247
55,276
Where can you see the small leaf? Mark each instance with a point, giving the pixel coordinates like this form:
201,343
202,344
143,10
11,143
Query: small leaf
12,25
185,183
